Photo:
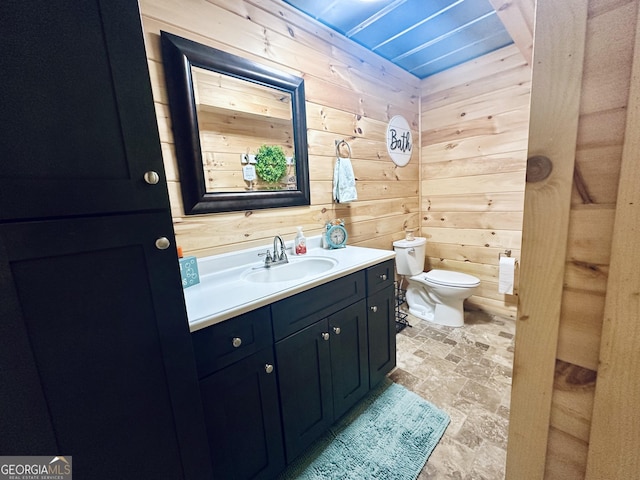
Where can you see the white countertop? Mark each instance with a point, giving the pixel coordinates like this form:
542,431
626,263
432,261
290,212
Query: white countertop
223,294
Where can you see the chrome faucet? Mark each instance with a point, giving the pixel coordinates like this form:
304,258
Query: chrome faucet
278,257
282,256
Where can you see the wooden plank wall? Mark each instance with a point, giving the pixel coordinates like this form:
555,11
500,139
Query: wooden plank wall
475,120
596,217
351,94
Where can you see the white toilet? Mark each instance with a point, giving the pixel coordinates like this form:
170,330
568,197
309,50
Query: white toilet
438,295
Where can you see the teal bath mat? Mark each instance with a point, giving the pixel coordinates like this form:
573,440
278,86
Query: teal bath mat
388,435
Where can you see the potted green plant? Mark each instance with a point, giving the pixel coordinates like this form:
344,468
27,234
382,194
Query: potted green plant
271,163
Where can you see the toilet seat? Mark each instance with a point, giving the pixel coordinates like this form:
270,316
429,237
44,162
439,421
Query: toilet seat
448,278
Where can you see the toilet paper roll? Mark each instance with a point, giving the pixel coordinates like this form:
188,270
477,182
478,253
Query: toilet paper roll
506,275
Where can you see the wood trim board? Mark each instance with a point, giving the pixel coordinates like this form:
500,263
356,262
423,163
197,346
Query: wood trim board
613,452
560,32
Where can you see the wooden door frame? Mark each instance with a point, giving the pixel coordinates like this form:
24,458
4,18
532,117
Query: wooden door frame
559,42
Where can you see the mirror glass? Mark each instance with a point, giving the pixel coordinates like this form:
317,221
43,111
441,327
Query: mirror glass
235,118
239,130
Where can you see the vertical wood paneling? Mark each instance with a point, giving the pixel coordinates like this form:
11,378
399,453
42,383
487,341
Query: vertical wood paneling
475,120
555,104
351,94
618,387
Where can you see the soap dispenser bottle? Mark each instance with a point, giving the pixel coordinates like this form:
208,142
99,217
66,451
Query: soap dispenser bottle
300,243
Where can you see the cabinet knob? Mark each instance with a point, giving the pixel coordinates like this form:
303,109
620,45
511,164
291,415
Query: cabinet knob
336,330
325,336
236,342
374,309
151,177
383,276
162,243
268,368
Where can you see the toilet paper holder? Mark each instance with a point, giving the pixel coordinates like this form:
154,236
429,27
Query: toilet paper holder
506,253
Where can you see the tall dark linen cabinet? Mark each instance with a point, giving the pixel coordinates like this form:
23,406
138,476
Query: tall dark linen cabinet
96,359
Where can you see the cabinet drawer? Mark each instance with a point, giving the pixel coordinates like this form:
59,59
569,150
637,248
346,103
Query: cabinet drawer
295,313
380,276
227,342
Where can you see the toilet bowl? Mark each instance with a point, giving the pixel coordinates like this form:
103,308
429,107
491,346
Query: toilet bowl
438,295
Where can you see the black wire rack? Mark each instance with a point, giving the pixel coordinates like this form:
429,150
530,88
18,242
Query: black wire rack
401,315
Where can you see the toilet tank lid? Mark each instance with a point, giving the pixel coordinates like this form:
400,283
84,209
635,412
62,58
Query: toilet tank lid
447,277
417,242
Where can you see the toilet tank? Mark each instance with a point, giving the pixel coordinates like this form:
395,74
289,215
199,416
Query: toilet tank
410,255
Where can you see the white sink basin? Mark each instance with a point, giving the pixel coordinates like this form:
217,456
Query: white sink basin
294,270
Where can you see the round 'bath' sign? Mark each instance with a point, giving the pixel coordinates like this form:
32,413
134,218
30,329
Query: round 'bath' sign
399,141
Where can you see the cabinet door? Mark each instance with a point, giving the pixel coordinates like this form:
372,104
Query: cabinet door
243,419
382,334
95,351
349,360
304,376
78,127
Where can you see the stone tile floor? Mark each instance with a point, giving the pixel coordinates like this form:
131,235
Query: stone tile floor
466,372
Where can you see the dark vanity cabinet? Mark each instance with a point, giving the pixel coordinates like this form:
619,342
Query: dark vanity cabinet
323,372
323,368
239,391
96,359
273,380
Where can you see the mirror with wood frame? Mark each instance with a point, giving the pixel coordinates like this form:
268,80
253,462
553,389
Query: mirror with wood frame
239,130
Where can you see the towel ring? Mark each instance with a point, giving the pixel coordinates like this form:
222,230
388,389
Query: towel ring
339,143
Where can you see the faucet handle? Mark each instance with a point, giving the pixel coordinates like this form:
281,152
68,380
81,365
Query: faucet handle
268,256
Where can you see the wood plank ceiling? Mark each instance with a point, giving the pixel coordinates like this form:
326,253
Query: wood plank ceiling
427,37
